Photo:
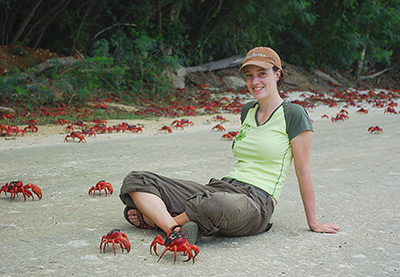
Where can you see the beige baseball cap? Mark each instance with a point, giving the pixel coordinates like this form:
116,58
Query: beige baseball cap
264,57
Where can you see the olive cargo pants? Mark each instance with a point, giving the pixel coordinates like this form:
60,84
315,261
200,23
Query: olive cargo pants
227,207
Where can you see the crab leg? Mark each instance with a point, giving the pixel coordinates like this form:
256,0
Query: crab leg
104,247
165,250
113,242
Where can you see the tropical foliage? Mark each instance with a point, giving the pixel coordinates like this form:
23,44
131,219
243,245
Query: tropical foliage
141,37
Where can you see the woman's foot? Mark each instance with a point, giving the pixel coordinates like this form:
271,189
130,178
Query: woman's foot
136,218
191,231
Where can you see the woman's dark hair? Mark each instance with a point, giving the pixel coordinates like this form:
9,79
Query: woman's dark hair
282,78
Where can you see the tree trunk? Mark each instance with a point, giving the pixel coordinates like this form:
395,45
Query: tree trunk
372,76
217,65
36,70
361,62
6,110
88,11
48,19
24,23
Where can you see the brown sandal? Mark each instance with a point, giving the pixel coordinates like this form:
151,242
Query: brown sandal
142,223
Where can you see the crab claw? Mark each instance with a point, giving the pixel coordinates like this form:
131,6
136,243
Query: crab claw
126,243
91,190
35,189
109,186
189,253
196,250
4,188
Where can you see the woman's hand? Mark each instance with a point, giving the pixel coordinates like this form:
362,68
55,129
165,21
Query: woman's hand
325,228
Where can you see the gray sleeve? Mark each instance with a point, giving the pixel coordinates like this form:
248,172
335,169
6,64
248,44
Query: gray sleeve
297,119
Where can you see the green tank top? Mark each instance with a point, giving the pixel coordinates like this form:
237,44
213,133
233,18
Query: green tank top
263,152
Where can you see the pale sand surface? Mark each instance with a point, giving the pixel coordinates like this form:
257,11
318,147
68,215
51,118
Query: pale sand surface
356,176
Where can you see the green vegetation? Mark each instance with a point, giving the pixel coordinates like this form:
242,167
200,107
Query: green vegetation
128,44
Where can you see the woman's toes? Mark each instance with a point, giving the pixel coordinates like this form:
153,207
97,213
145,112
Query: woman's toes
132,215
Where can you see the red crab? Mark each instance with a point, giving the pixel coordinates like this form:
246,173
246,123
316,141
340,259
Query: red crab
69,128
33,122
16,187
339,116
179,244
14,129
178,125
390,110
187,122
99,128
375,129
230,135
165,129
204,86
219,118
362,110
3,128
115,236
227,137
31,128
102,106
75,135
218,127
100,186
134,129
98,121
88,132
80,124
183,122
62,122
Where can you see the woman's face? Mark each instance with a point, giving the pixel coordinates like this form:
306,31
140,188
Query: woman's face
261,82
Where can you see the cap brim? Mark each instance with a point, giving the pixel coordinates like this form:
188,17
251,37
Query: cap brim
257,63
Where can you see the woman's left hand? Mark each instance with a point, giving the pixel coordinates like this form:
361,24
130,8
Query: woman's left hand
325,228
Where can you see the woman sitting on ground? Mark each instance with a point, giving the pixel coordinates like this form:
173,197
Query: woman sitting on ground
272,133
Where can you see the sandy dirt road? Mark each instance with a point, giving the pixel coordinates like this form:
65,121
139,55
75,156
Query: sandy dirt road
356,176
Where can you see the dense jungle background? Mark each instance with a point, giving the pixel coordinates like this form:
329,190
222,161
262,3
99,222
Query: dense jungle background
70,52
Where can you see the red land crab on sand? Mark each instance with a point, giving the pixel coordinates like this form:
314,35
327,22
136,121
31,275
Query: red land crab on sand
31,127
115,236
75,135
340,116
178,244
13,129
165,129
390,110
100,186
178,125
186,122
88,132
219,118
218,127
134,129
182,123
80,124
16,187
375,130
362,110
229,135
